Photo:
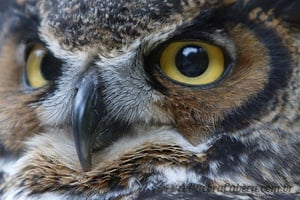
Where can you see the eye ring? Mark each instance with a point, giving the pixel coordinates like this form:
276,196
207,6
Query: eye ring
41,67
198,74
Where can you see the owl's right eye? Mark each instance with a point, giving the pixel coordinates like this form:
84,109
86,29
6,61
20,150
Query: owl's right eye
40,67
192,62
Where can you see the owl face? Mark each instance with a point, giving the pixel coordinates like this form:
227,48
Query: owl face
124,94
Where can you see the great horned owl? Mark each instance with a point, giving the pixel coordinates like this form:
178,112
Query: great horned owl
149,99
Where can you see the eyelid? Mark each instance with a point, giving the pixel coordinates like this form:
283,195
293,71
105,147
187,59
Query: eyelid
29,46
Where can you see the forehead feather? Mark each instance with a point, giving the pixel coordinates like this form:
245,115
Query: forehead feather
113,24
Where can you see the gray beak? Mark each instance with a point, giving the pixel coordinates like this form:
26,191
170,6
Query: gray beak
87,112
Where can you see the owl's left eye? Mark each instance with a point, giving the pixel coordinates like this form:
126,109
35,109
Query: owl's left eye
192,63
40,67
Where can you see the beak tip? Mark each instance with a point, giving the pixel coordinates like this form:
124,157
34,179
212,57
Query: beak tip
86,164
84,153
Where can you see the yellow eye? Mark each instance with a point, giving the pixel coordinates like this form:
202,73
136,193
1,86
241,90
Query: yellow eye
34,61
193,63
41,67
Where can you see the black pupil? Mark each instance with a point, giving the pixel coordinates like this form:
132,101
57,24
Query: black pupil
192,61
51,67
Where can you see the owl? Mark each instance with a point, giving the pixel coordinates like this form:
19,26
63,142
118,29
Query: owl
149,99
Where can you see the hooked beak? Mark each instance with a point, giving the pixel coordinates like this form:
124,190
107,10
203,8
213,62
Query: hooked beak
87,112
